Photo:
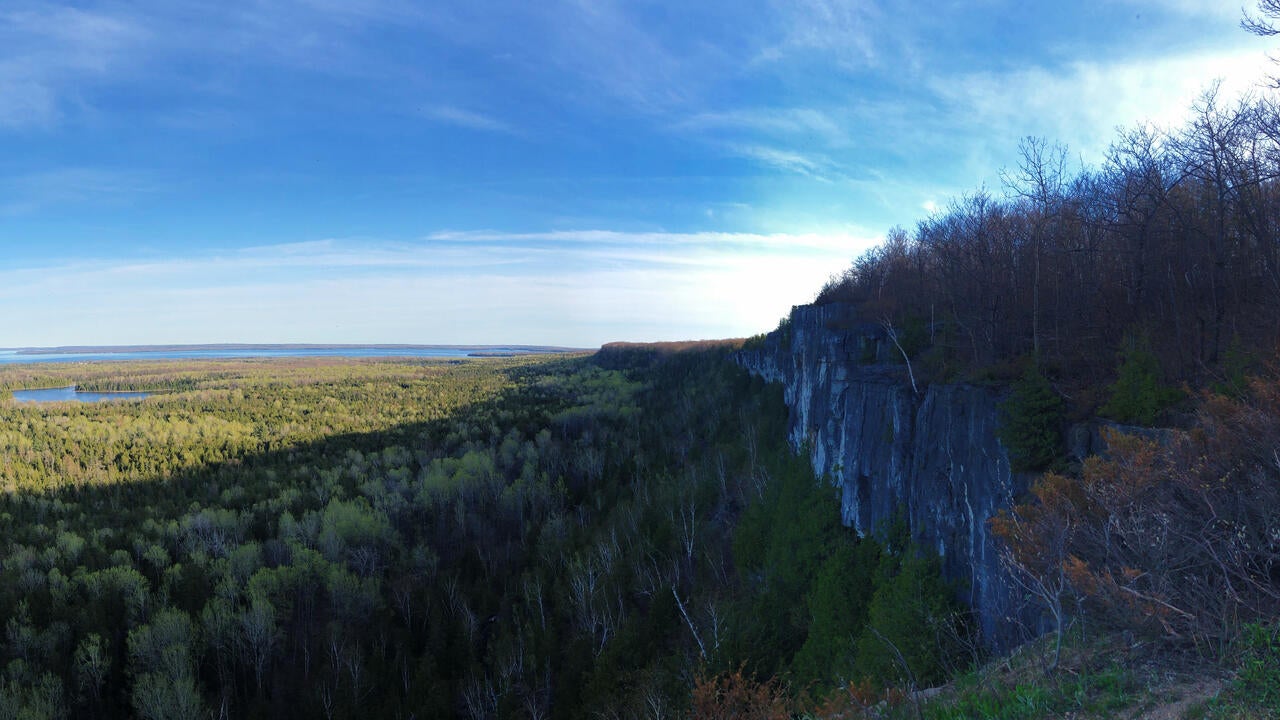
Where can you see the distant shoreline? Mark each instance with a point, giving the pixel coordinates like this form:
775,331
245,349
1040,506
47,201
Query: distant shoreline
269,347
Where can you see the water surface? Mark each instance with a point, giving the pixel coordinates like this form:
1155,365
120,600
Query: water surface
63,394
13,357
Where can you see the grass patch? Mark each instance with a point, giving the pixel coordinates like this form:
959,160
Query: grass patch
1099,694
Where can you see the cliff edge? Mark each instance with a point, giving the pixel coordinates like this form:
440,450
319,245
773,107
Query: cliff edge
933,455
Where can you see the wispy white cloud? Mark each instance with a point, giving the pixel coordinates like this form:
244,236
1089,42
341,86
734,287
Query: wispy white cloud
392,11
797,124
60,58
838,242
572,288
778,138
1083,105
603,44
328,36
459,117
25,101
846,30
59,187
49,51
813,165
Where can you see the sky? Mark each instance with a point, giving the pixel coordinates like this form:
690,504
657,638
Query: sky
559,172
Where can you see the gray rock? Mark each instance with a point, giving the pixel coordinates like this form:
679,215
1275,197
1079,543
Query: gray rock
1080,442
934,456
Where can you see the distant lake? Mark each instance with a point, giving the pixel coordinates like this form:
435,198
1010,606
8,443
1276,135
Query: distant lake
13,357
70,393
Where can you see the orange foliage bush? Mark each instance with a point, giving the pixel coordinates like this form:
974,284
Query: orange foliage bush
858,700
1178,538
735,695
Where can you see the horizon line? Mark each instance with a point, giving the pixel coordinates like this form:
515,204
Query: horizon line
171,347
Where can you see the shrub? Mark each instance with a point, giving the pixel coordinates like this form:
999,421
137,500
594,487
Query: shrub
738,696
1139,396
1258,681
1149,536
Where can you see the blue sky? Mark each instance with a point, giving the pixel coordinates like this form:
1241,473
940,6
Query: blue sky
503,171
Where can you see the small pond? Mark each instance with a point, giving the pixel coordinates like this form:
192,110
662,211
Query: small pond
70,392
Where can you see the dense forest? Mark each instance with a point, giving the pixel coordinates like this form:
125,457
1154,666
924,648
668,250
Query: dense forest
619,535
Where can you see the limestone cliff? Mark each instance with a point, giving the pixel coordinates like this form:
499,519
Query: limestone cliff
932,455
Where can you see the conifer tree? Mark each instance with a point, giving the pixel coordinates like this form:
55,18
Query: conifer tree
1031,423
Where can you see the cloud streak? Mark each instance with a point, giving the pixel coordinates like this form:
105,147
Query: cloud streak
795,123
813,165
1084,103
842,29
49,51
70,186
716,241
470,120
569,288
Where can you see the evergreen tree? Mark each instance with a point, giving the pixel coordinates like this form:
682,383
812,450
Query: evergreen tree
1139,396
909,621
1031,423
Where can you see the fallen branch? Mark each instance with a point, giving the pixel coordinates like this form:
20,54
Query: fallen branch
893,335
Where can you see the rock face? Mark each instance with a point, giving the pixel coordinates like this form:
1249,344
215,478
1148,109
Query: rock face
933,456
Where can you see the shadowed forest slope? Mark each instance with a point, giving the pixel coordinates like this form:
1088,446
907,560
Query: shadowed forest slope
499,538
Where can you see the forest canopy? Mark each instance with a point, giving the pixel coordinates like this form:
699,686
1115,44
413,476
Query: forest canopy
531,537
1173,239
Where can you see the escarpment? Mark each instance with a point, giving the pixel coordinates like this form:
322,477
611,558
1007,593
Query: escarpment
932,455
